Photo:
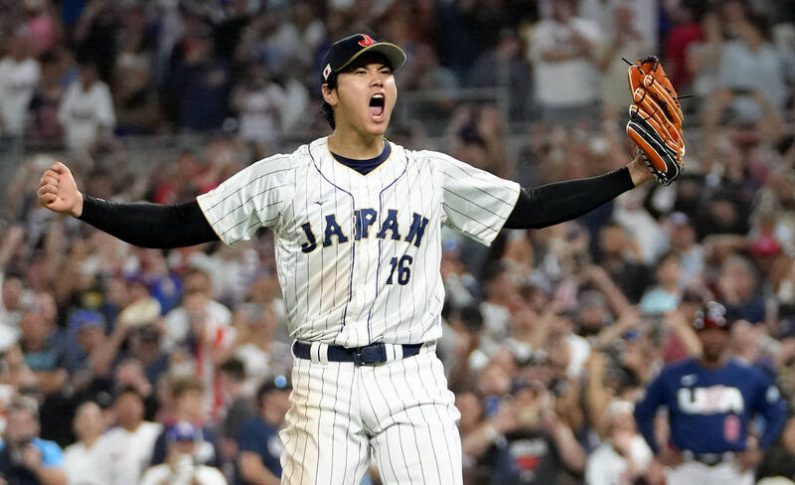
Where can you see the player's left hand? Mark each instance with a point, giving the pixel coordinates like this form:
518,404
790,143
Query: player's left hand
750,459
638,168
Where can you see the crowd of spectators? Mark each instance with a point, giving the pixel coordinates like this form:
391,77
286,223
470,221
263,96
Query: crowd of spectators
117,363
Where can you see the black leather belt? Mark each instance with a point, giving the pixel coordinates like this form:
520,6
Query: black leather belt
367,355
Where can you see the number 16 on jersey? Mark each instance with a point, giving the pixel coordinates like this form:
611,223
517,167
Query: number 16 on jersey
401,266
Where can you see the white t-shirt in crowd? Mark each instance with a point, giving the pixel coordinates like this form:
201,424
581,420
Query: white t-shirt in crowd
605,465
18,83
83,113
177,323
644,19
80,464
260,113
125,455
562,83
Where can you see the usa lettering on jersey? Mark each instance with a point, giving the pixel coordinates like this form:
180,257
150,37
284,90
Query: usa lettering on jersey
710,400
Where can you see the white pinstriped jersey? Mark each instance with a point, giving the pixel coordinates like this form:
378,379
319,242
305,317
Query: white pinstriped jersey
358,256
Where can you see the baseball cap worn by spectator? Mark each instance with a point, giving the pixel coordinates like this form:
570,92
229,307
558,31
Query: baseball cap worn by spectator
343,52
83,319
183,431
711,315
279,382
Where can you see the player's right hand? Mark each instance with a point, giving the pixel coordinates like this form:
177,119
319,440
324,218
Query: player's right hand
58,191
669,457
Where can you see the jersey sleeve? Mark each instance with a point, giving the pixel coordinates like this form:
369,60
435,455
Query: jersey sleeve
772,407
475,202
247,201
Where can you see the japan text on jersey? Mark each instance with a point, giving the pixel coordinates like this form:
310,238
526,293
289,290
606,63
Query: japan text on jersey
363,220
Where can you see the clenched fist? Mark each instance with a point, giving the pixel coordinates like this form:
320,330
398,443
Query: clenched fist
58,191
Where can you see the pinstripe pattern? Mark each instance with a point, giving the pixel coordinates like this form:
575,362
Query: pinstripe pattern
418,423
341,287
402,409
336,291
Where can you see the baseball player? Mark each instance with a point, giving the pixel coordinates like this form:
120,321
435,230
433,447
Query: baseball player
711,401
356,220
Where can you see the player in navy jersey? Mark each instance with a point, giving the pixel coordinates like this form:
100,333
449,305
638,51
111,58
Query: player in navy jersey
711,401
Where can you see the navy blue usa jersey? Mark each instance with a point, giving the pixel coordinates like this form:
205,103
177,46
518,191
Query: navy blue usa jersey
709,410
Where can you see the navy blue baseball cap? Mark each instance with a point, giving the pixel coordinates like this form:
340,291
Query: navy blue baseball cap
347,50
711,315
83,318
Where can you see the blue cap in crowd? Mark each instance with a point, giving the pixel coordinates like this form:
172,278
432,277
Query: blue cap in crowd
182,431
85,318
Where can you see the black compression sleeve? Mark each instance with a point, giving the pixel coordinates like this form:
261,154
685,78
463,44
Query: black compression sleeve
150,225
562,201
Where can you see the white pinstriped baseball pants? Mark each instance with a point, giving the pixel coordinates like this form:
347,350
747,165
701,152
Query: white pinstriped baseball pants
400,414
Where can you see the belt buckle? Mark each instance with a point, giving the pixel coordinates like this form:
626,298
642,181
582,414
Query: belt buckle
711,459
369,354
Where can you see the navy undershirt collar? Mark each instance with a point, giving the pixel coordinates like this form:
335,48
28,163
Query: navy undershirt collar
365,166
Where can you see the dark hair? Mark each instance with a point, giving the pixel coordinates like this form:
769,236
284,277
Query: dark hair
471,317
279,382
761,23
127,389
325,108
697,8
49,57
14,274
493,270
234,368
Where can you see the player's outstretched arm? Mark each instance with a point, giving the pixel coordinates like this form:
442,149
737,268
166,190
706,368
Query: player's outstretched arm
554,203
140,224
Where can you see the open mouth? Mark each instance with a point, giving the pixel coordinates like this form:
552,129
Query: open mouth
376,107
